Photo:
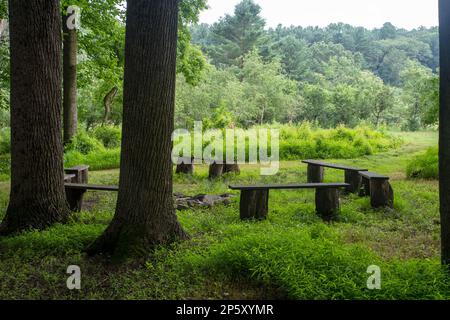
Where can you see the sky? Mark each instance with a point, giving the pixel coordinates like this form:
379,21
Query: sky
408,14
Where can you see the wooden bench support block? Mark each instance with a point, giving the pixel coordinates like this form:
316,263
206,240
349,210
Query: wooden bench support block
215,170
365,187
254,204
353,178
185,168
231,168
327,203
315,173
75,198
381,193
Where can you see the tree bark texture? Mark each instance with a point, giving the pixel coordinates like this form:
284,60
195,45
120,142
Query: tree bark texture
444,129
70,48
145,216
37,198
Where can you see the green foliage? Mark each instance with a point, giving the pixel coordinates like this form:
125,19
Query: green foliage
5,141
303,142
102,159
424,166
110,136
84,143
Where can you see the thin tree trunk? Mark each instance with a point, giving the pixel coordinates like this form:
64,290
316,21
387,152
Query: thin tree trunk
37,198
444,129
70,45
145,214
107,102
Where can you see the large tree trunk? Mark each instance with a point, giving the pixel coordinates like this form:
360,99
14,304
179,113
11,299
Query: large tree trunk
37,198
444,129
145,215
70,45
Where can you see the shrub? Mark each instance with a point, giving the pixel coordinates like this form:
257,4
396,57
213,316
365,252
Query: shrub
84,143
110,136
425,165
99,160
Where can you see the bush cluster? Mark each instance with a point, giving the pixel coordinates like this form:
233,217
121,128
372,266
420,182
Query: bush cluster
425,165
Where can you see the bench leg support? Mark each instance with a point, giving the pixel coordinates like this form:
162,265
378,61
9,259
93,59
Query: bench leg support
327,203
353,178
185,168
254,204
315,174
215,170
75,199
381,194
365,187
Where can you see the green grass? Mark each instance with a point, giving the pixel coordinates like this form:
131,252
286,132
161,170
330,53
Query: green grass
424,165
293,254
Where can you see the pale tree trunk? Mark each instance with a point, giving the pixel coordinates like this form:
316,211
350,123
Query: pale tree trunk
70,45
37,198
107,103
444,129
145,215
3,27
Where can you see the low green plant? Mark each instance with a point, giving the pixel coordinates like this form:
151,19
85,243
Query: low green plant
5,141
425,165
109,135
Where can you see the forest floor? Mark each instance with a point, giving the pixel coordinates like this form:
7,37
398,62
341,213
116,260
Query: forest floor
291,255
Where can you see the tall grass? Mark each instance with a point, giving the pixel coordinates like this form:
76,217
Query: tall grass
425,165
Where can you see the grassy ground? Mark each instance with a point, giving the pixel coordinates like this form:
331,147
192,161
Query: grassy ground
292,255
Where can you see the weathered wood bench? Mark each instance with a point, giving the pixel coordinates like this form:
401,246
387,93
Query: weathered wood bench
75,193
76,185
379,189
352,177
254,201
186,166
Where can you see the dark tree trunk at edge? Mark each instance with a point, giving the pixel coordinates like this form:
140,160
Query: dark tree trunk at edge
444,129
145,215
37,198
70,46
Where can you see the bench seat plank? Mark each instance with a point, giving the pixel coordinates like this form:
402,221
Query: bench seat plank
373,175
332,165
81,186
290,186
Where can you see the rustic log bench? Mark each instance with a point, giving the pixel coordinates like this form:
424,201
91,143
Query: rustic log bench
76,191
186,166
254,201
379,189
352,176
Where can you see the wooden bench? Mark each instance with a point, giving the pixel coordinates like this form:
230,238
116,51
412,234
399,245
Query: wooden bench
185,165
76,185
352,177
254,201
75,193
379,189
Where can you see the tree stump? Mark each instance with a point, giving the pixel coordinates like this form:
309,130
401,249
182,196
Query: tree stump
381,193
184,168
315,173
215,170
254,204
353,178
365,187
327,203
231,168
